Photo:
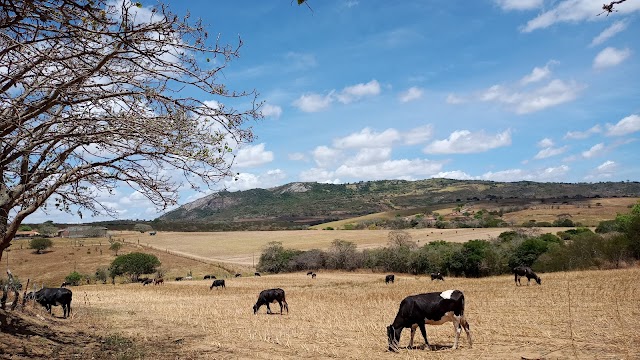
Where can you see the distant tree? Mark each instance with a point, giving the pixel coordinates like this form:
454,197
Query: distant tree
142,227
47,228
74,278
134,264
115,247
342,254
25,228
102,274
400,238
39,244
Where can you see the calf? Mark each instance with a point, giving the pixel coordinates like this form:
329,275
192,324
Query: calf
310,273
238,275
217,283
158,281
65,284
389,279
49,297
433,309
147,282
313,276
179,278
436,276
267,297
209,277
521,271
257,274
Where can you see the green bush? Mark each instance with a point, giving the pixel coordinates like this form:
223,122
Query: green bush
102,274
134,265
39,244
74,278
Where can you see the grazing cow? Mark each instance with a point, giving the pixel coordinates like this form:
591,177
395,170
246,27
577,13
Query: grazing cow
437,276
188,278
313,276
142,280
433,309
389,279
257,274
158,281
521,271
147,282
217,283
310,273
179,278
49,297
238,275
267,297
65,284
209,277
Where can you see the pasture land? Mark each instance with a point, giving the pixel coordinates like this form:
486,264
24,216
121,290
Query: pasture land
338,315
244,247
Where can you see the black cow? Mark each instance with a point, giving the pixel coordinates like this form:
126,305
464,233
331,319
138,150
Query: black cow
310,273
179,278
521,271
238,275
313,276
257,274
389,279
49,297
267,297
437,276
147,282
65,284
434,308
217,283
209,277
143,279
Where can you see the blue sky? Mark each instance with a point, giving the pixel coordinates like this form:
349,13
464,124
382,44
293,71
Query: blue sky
502,90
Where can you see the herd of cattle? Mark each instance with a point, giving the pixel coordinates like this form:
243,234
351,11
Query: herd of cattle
416,311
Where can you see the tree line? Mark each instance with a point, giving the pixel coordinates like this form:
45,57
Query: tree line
614,244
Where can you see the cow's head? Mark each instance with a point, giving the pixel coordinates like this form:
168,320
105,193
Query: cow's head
393,336
255,309
539,281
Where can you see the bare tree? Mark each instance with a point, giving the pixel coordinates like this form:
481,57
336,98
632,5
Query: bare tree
96,93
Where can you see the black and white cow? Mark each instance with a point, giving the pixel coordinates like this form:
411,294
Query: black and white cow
389,279
49,297
217,283
310,273
521,271
437,276
267,297
434,308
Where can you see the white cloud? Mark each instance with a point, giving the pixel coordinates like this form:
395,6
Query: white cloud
583,134
607,166
610,57
418,135
319,175
269,110
325,156
519,4
609,32
628,125
297,156
252,155
545,143
355,92
367,138
466,142
547,174
556,92
453,99
455,174
595,150
313,102
413,93
369,156
246,181
538,74
549,152
391,169
575,11
605,170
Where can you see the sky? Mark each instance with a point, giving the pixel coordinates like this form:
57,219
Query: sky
502,90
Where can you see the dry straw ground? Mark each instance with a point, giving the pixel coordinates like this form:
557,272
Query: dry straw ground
575,315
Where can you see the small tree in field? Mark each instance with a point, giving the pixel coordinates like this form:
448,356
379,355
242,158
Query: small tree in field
102,274
134,265
74,278
40,244
115,247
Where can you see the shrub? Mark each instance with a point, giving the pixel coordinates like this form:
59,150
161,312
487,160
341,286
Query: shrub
74,278
101,274
275,258
39,244
134,264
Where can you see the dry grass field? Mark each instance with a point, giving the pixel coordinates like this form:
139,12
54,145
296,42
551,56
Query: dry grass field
575,315
244,247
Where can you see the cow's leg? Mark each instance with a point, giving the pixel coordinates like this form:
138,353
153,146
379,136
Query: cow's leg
423,330
516,279
268,309
467,329
457,329
280,303
286,306
413,333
